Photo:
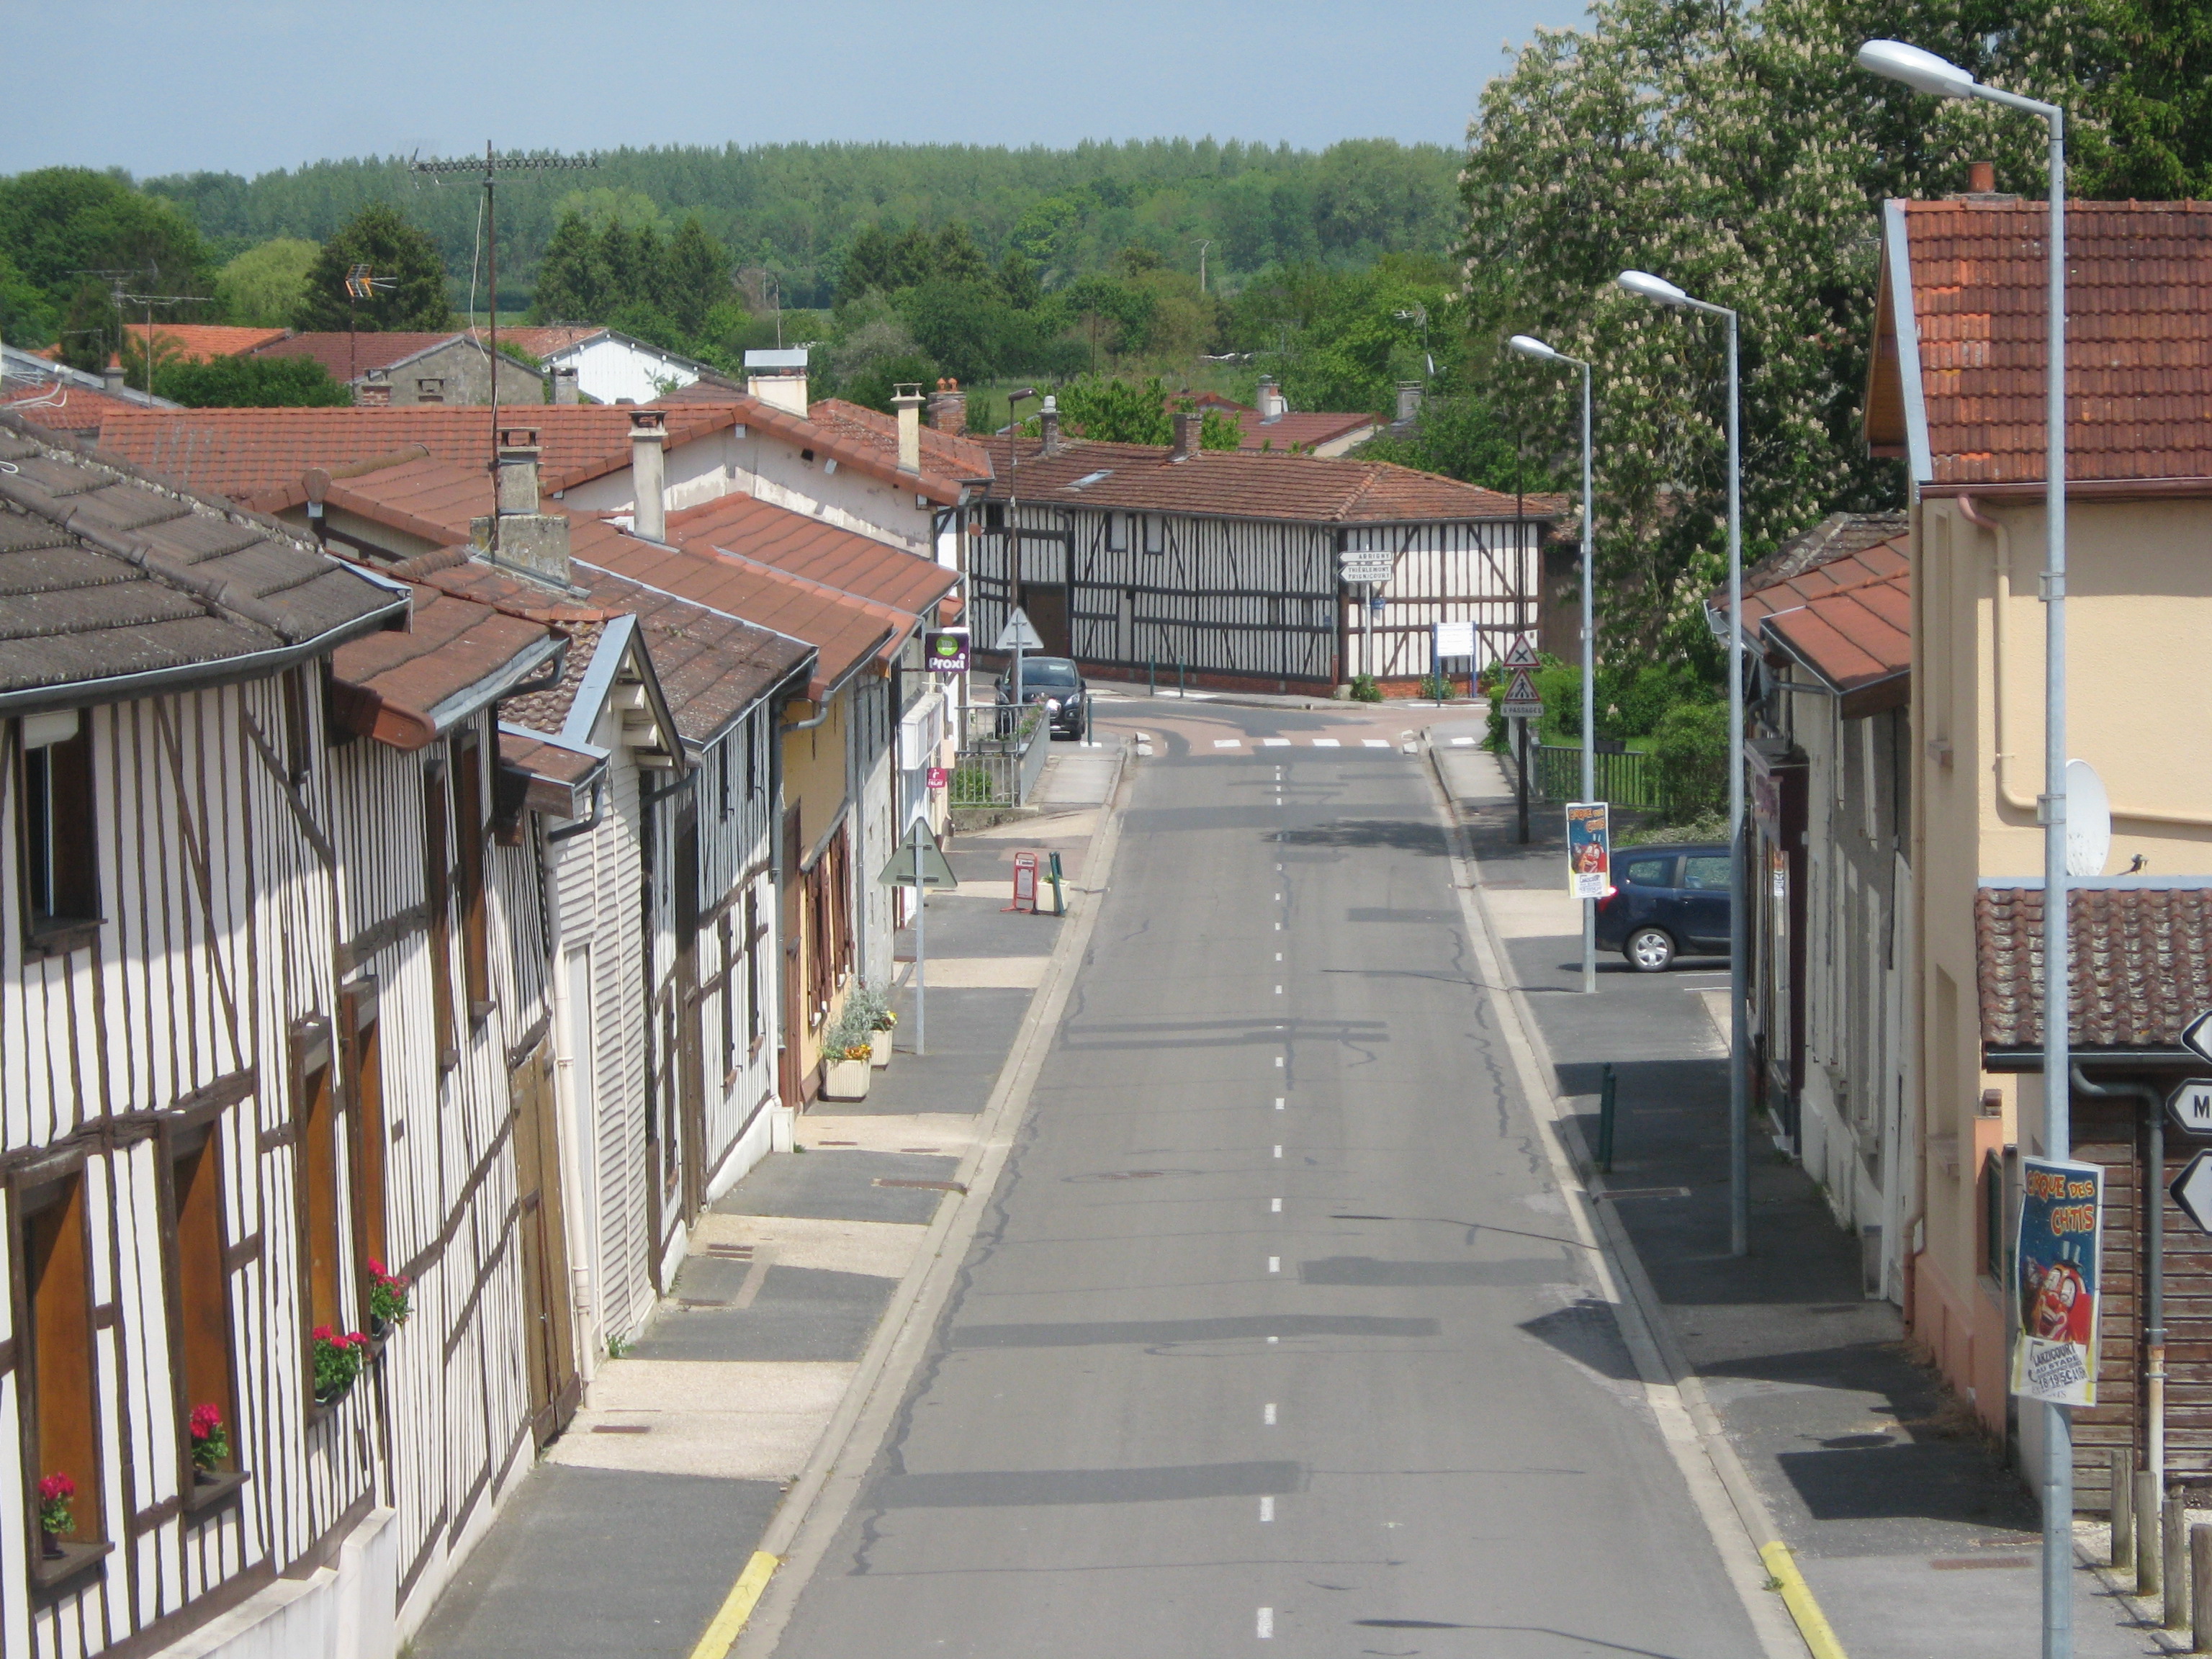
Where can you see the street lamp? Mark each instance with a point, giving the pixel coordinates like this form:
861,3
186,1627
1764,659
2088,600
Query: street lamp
1527,346
1660,291
1923,71
1014,528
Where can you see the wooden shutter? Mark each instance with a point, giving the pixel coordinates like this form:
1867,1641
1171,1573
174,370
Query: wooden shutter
59,1412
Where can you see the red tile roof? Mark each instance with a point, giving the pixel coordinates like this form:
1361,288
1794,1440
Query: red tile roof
260,454
72,408
349,355
388,686
842,444
545,341
1244,485
1838,599
2139,954
1299,429
197,342
2138,337
802,546
943,452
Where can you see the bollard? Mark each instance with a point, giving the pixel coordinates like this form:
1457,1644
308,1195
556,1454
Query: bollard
1152,675
2174,1536
2147,1528
2124,1495
1604,1119
2200,1587
1181,690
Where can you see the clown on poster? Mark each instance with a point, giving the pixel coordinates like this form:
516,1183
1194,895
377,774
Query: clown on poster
2055,1266
1590,849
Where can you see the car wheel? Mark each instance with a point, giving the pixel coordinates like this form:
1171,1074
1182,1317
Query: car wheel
1650,950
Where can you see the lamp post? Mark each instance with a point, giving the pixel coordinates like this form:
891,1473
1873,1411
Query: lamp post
1014,529
1923,71
1529,347
1662,292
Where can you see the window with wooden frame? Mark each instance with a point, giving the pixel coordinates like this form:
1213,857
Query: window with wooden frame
468,876
315,1198
199,1306
1117,532
753,744
56,1368
296,687
725,782
729,981
56,831
437,888
756,951
369,1150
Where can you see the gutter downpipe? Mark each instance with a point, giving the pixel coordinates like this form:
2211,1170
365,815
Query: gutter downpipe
2153,1212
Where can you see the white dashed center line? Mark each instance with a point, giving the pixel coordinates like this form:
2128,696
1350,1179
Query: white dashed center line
1274,1264
1229,742
1279,1151
1275,1207
1268,1414
1266,1509
1274,743
1267,1621
1278,1102
1373,743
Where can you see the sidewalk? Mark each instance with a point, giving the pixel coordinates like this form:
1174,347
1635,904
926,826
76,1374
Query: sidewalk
1915,1537
628,1535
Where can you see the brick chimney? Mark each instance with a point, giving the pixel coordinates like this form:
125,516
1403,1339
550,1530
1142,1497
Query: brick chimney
1048,423
906,403
648,472
373,391
948,407
1187,424
518,468
779,378
1273,405
564,384
1981,178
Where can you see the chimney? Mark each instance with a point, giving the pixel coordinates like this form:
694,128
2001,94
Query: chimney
1187,426
1409,400
906,401
779,378
113,378
373,391
948,407
1981,178
648,472
518,470
564,384
1272,405
1048,423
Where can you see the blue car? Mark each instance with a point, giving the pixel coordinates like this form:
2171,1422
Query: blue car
1666,902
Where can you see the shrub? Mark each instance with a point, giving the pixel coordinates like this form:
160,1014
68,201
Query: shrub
1364,689
1690,749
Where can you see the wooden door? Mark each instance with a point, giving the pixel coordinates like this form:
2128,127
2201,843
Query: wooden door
1047,604
690,1058
549,1345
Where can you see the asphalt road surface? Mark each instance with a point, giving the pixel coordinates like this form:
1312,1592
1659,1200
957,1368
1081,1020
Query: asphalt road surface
1276,1337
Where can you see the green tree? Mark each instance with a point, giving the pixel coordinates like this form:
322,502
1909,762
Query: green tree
60,225
866,267
956,258
27,317
252,383
2153,86
695,276
265,285
396,252
572,279
88,332
1018,282
1113,410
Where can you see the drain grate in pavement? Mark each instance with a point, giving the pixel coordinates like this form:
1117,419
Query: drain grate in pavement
622,1428
932,1186
1617,1194
1961,1563
732,1252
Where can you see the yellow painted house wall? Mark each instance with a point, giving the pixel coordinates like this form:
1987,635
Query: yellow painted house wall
2138,614
814,786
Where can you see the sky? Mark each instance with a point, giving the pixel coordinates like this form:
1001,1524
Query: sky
245,87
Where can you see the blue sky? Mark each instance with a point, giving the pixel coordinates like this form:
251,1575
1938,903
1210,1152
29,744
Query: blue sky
245,87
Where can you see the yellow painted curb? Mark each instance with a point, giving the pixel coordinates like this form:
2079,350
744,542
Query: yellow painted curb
1797,1595
737,1606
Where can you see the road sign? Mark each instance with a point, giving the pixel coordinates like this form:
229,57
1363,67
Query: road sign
2190,1107
945,650
2192,1190
936,870
1454,639
1523,653
2197,1035
1018,634
1521,700
938,777
1026,879
1366,564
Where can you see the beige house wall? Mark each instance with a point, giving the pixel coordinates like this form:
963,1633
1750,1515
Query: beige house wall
2139,613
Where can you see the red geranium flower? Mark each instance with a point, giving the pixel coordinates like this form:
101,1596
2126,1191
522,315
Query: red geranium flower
57,1488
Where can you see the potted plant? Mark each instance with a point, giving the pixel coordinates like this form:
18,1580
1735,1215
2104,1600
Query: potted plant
869,1017
55,1516
338,1359
846,1053
388,1305
211,1443
880,1040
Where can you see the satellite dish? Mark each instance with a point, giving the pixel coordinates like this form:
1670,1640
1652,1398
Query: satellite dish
2089,820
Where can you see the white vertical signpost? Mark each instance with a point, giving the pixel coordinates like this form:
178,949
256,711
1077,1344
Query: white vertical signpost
1368,568
920,863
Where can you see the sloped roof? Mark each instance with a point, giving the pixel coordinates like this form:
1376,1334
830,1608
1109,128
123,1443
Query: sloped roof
1856,640
404,688
1967,281
1246,484
545,341
1297,428
197,342
261,453
1839,536
350,355
804,546
116,585
945,453
67,409
2139,955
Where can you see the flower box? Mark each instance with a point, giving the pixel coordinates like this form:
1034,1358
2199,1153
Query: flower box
845,1080
879,1049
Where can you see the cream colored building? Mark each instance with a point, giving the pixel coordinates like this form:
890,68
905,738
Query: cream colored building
1956,392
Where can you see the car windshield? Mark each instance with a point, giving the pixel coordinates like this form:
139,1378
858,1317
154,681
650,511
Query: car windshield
1052,672
1647,872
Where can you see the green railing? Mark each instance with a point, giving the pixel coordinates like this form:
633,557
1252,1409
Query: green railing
1555,772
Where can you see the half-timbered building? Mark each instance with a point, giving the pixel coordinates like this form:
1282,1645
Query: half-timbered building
1225,565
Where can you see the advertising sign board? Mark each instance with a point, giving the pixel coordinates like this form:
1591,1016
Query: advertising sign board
1590,849
2055,1264
945,650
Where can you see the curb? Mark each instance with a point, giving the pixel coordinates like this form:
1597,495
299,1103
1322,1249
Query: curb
1658,1357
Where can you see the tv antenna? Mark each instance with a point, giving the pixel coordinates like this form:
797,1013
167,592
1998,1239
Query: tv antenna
493,165
360,283
150,301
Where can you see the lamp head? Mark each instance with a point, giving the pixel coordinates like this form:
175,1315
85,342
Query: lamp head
1015,397
1528,346
1658,290
1923,71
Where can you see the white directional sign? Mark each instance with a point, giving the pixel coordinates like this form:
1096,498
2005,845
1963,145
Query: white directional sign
2192,1190
1018,634
2198,1035
2190,1107
1361,564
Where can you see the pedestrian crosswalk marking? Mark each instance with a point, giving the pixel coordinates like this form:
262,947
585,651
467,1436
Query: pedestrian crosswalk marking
1274,743
1327,743
1461,743
1229,742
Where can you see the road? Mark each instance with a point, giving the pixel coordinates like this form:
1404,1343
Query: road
1276,1331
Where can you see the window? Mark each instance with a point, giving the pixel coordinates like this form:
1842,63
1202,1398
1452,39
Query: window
55,829
436,893
729,1001
1155,532
752,765
756,951
994,515
829,933
1117,532
296,687
199,1288
315,1160
53,1329
1706,872
364,1098
726,767
430,391
469,882
1647,873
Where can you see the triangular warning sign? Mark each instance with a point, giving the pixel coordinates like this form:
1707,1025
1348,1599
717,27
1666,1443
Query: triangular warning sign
936,870
1522,654
1019,634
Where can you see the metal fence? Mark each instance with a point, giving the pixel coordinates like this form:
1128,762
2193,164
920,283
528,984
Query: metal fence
1003,771
1555,772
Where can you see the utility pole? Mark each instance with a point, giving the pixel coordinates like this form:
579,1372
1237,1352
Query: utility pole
493,165
1202,247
